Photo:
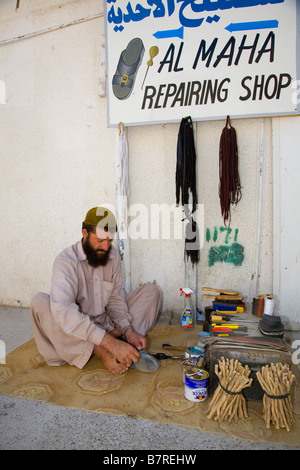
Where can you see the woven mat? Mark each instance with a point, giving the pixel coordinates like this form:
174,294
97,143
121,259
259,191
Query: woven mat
157,396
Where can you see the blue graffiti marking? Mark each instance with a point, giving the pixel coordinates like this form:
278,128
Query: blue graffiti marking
252,25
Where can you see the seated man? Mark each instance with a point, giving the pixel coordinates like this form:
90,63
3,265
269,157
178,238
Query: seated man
87,311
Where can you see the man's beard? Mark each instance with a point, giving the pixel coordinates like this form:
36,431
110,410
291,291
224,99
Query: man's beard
95,257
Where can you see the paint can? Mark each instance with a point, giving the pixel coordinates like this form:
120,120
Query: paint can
196,384
202,335
194,351
192,356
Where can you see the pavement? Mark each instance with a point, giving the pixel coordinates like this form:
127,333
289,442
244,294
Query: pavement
34,425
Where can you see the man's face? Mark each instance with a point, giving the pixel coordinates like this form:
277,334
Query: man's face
97,246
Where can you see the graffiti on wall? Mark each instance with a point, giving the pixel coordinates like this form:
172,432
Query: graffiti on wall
224,253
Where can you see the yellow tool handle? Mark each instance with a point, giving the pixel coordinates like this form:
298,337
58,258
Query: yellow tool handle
153,52
226,326
216,318
229,312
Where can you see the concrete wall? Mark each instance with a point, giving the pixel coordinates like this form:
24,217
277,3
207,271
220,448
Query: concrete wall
58,160
286,248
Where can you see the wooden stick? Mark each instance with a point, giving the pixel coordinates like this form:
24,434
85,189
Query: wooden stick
228,402
276,381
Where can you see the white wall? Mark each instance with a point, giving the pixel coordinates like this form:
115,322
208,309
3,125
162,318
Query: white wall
286,275
58,160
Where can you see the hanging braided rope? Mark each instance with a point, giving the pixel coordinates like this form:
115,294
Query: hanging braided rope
186,184
229,185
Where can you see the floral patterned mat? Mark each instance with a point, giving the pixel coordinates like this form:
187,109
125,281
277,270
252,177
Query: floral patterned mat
157,396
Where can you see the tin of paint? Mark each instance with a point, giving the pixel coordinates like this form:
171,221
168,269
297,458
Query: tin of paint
202,334
194,351
196,385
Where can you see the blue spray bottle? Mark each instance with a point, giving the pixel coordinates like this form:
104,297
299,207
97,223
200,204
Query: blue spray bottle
188,318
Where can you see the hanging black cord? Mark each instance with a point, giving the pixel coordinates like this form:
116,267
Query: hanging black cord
186,185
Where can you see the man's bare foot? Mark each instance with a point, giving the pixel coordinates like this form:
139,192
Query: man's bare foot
109,361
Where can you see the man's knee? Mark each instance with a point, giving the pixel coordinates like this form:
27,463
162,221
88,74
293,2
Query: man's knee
155,294
151,290
40,302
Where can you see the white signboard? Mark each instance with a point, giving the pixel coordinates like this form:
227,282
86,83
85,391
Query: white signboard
167,59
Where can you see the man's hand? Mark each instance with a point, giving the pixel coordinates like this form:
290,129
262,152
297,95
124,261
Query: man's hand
124,352
138,341
116,355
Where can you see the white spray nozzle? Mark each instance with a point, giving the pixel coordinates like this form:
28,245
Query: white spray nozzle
186,290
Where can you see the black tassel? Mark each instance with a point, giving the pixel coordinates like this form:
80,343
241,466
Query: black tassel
186,185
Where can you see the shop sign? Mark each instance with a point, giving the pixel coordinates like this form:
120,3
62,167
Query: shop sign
167,59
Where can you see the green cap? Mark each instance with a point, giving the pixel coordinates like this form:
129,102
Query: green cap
102,218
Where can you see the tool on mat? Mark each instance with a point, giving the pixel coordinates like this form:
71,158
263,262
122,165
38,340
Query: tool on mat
222,332
153,52
256,342
229,328
150,362
222,294
230,325
227,307
230,334
146,363
223,297
228,318
221,291
229,312
222,329
168,346
160,356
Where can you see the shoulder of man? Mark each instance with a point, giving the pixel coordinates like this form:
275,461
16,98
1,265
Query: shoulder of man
114,252
73,253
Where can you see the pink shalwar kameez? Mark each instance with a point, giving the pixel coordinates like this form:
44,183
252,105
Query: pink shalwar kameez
84,304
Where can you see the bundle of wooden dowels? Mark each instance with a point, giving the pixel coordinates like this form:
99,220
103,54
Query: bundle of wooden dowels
228,402
276,381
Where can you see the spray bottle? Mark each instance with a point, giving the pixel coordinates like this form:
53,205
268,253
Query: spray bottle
188,318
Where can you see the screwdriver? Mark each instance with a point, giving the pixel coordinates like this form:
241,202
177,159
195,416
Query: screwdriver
230,334
228,318
153,52
229,326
